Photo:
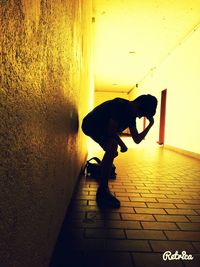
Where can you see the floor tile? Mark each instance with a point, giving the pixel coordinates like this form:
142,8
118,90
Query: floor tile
160,210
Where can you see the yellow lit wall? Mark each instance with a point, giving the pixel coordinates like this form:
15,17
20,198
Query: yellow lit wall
100,97
45,83
179,73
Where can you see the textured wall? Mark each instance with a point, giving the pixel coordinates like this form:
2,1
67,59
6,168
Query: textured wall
45,83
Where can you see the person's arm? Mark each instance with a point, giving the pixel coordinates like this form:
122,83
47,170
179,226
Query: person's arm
138,137
112,131
123,147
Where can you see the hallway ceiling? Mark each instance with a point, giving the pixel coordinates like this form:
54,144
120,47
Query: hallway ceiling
131,37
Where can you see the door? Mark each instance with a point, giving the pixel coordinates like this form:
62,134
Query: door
162,117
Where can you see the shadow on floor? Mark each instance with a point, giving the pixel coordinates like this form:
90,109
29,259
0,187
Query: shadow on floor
159,192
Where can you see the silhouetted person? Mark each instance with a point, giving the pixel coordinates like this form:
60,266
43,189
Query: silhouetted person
104,124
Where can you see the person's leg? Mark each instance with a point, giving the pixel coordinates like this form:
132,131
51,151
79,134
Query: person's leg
107,162
104,197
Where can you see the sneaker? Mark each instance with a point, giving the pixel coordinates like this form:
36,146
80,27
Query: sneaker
105,199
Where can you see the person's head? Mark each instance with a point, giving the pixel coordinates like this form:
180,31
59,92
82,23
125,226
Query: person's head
147,105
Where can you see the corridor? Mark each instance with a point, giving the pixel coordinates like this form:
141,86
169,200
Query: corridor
60,60
159,192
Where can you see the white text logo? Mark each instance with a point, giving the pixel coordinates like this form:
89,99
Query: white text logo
168,255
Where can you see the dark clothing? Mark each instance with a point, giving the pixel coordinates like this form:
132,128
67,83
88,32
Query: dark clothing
95,124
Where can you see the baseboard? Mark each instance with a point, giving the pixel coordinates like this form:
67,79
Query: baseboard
183,151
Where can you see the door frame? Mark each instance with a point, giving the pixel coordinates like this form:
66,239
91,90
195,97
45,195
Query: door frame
161,140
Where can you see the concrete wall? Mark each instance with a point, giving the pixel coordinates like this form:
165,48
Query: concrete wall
45,84
179,73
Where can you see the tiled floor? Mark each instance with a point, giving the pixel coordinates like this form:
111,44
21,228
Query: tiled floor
160,211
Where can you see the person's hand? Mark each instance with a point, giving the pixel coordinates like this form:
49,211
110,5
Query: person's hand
151,121
123,149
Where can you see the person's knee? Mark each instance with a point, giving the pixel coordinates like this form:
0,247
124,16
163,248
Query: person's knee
112,148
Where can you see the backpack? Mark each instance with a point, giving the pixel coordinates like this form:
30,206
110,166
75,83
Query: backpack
92,170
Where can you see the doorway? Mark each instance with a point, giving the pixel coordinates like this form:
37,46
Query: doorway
162,117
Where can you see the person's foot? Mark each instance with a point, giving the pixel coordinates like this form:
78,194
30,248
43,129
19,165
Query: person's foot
105,199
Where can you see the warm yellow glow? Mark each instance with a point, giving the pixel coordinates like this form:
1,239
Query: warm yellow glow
91,92
132,37
180,75
95,150
145,42
91,103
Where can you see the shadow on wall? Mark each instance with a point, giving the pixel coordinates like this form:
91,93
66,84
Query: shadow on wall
45,55
35,129
39,147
